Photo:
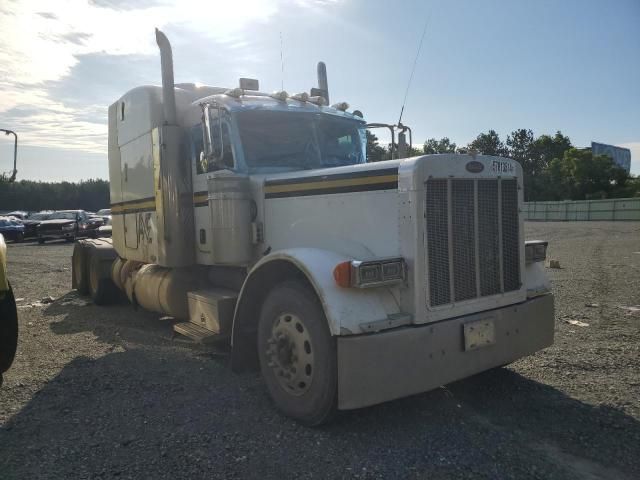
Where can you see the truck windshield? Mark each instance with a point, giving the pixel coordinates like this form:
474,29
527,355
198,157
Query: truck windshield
294,141
63,216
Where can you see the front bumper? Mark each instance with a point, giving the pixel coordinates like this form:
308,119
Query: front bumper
378,367
57,235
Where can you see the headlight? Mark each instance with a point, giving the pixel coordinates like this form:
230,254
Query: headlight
535,251
370,273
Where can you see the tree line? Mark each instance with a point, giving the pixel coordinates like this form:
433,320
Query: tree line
90,195
553,168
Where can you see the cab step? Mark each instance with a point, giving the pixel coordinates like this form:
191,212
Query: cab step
196,332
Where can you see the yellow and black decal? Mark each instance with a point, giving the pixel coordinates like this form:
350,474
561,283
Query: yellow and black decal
200,199
370,180
134,206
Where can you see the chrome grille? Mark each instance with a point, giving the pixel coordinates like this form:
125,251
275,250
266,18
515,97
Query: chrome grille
472,233
438,241
463,237
510,241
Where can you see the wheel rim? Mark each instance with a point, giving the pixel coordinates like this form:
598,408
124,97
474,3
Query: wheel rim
290,354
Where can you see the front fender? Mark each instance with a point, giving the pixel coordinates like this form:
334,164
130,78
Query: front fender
346,309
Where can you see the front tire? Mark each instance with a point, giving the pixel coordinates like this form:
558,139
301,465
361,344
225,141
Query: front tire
40,240
297,354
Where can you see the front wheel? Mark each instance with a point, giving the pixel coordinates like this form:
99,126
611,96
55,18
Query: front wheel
298,354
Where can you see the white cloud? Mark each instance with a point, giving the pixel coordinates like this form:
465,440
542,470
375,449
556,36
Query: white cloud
42,41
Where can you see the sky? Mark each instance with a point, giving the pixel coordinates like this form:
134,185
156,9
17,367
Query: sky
545,65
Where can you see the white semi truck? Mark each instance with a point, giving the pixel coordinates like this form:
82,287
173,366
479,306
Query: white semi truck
255,219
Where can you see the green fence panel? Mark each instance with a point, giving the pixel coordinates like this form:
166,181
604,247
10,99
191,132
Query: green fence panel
625,209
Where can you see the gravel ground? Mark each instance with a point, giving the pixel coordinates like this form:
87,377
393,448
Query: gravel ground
99,392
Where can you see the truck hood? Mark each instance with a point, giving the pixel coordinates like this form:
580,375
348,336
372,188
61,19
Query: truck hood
360,168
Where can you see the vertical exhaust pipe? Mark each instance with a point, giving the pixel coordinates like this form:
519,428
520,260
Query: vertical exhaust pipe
168,92
322,80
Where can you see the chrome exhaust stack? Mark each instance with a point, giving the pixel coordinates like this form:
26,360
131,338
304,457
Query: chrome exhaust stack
168,88
323,85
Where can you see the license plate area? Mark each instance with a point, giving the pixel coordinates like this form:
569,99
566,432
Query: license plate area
478,334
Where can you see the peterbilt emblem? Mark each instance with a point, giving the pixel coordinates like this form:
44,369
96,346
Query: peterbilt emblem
474,167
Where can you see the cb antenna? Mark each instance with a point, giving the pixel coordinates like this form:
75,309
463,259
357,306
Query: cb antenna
281,65
415,62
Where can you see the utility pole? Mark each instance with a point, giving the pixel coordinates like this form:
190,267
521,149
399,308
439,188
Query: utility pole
15,152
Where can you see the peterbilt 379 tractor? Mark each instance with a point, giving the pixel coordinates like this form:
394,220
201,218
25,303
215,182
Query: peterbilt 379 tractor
255,220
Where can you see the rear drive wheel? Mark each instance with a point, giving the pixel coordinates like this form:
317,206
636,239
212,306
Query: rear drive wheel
297,354
19,237
101,288
79,269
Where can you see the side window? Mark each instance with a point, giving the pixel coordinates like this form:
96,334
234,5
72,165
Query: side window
346,140
197,149
227,154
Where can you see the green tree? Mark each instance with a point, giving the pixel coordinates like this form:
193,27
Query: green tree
545,149
520,144
489,144
375,151
580,175
444,145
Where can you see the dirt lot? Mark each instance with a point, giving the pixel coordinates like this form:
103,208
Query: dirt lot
106,392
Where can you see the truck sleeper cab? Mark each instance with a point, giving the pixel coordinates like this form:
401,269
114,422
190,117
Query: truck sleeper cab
254,219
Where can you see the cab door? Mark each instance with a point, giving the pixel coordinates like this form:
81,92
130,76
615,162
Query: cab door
201,169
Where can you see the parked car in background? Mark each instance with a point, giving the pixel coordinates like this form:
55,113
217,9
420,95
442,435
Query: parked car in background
105,230
97,220
64,224
11,229
104,213
21,214
32,221
93,224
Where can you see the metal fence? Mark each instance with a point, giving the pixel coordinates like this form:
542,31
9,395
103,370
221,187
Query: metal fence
567,211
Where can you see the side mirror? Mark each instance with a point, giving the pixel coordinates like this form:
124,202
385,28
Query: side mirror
212,136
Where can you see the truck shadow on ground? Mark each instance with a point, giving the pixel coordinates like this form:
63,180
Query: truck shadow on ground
158,411
112,324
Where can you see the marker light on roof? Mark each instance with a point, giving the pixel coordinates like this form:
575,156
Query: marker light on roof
249,84
342,106
280,95
301,97
234,92
318,100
